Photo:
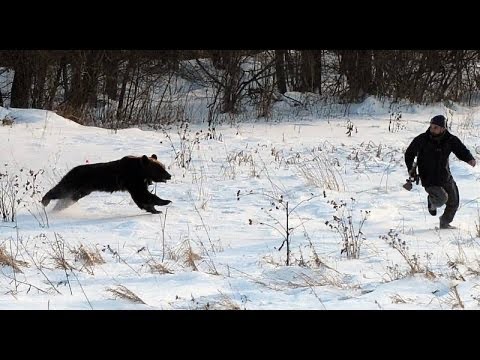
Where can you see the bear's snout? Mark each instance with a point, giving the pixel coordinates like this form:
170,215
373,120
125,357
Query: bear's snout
163,178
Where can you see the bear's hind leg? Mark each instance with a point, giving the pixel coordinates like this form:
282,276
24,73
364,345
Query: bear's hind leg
69,200
63,204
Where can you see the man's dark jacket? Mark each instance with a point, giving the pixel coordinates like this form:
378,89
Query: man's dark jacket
433,153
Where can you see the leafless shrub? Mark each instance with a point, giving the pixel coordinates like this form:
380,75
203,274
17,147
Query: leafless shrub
283,223
393,239
343,223
396,123
183,151
15,189
9,188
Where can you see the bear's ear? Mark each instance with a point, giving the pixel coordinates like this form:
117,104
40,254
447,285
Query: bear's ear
145,159
154,156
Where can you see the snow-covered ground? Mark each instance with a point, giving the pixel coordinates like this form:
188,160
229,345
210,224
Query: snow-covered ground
219,244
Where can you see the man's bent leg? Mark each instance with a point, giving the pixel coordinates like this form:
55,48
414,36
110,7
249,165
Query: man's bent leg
437,196
452,203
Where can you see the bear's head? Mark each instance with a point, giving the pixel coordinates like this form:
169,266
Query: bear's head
154,169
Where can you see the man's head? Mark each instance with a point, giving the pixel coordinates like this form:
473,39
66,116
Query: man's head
437,125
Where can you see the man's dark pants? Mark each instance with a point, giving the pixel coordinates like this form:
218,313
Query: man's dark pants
445,195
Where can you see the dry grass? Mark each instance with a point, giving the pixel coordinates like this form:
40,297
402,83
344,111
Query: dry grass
7,260
61,263
477,224
89,257
184,253
397,299
456,301
190,258
158,268
7,122
320,172
123,293
225,303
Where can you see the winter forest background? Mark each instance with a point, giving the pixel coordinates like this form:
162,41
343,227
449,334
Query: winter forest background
123,88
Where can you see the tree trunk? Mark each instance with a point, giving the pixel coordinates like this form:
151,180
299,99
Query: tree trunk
126,78
110,65
306,77
22,81
231,62
291,75
40,76
356,66
75,94
90,77
53,86
280,71
317,71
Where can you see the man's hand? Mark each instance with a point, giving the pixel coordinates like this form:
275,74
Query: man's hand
472,162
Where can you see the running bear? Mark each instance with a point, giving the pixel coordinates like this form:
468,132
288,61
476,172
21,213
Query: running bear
130,173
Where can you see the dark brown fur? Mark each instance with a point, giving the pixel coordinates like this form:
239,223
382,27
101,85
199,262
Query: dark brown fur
130,173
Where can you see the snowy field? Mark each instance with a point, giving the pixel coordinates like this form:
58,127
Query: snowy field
331,186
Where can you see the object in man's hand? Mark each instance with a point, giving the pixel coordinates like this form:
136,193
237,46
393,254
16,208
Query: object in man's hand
408,185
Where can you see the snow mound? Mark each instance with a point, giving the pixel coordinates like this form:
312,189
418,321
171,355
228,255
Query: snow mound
42,118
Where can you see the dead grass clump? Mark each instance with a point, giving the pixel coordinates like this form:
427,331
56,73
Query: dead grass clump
89,257
158,268
185,253
190,258
7,122
123,293
7,260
